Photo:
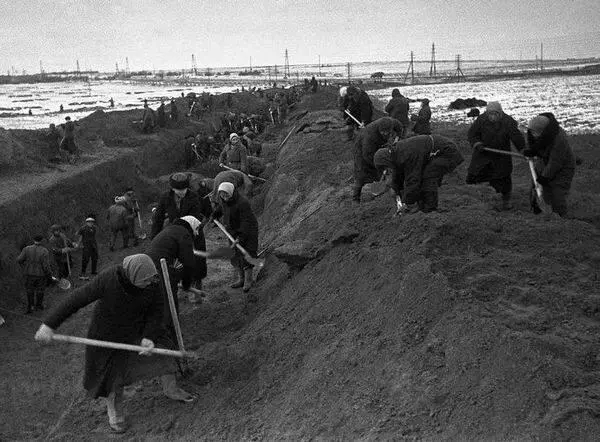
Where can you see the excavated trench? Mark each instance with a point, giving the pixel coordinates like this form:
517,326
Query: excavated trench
462,324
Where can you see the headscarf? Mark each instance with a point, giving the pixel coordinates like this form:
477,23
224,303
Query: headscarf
383,158
139,269
226,187
193,222
494,106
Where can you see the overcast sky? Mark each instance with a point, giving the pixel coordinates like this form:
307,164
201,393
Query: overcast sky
160,34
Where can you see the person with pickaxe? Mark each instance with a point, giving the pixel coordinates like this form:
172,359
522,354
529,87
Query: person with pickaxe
418,165
356,107
496,130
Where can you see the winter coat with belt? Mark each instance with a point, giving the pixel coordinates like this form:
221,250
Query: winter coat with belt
418,164
486,166
124,313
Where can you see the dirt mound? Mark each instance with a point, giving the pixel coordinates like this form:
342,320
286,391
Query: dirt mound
462,324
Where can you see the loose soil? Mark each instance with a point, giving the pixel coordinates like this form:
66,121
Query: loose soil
465,324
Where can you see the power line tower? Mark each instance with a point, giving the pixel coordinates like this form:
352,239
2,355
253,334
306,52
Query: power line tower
411,68
286,66
127,65
194,65
432,69
458,73
116,68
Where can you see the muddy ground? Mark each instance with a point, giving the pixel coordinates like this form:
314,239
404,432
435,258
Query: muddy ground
466,324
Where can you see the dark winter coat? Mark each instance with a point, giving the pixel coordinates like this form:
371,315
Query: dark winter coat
558,160
486,166
124,313
361,107
418,164
241,223
235,156
167,207
423,125
368,141
117,216
240,181
35,260
176,241
398,108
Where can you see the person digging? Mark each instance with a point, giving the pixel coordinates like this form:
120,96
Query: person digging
241,223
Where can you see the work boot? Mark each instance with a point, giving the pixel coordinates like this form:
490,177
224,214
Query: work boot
240,281
172,391
247,279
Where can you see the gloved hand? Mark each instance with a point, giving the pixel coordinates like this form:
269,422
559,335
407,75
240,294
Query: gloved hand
233,244
147,343
544,181
44,334
479,146
529,153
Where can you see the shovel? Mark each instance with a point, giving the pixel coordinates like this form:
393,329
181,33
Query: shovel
505,152
256,262
220,253
360,124
538,187
143,235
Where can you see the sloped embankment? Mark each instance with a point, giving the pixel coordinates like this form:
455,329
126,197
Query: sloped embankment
465,324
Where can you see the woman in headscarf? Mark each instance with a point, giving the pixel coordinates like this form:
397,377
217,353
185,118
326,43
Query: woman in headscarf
129,310
241,223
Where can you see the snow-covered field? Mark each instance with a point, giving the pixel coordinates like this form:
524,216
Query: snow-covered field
575,101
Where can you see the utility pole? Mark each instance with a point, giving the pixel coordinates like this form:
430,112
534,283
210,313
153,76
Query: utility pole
458,73
194,65
269,73
116,68
349,67
126,65
78,71
286,66
411,69
542,56
275,72
432,69
319,65
41,68
250,63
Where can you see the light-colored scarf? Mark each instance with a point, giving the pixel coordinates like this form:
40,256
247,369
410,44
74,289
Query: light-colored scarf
139,269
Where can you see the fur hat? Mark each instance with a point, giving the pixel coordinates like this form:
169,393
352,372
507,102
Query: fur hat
179,180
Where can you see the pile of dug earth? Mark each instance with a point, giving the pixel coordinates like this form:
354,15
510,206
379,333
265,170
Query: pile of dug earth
465,324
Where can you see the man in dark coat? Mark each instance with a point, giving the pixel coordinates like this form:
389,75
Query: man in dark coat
496,130
178,202
174,111
161,118
556,166
129,310
35,261
53,137
398,108
175,243
422,121
373,137
360,105
147,119
418,165
241,223
60,246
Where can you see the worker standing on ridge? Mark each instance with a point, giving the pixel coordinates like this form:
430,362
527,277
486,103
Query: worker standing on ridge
53,138
373,137
147,119
161,118
398,108
234,154
35,261
87,239
179,202
175,243
68,142
117,221
556,166
60,247
129,311
496,130
174,111
112,102
423,118
241,223
418,165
